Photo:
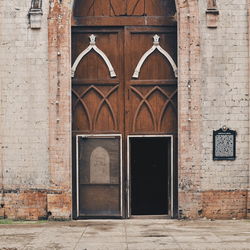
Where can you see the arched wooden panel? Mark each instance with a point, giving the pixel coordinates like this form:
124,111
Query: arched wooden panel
152,109
92,47
156,47
87,8
98,99
152,83
96,93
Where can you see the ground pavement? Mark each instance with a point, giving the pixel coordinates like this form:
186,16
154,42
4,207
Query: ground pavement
127,234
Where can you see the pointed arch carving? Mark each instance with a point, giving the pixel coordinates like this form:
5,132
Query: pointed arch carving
144,101
108,104
93,119
92,46
156,46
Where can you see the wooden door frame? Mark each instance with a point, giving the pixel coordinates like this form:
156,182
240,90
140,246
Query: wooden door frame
59,104
99,136
128,181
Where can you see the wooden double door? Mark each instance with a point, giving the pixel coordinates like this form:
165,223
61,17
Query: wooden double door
124,84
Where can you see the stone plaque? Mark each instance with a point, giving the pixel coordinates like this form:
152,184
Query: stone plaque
224,144
99,166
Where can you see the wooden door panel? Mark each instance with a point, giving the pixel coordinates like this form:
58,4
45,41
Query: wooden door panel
97,103
151,101
156,66
118,7
153,108
92,8
136,7
160,7
95,108
108,8
92,66
83,8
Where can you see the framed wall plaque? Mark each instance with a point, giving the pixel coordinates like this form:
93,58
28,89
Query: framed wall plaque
224,144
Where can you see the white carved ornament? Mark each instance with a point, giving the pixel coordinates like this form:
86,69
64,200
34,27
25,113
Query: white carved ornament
156,45
92,45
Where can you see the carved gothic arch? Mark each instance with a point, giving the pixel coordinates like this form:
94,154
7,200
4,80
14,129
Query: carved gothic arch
92,46
156,46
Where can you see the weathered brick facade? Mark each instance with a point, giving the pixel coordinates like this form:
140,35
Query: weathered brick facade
35,111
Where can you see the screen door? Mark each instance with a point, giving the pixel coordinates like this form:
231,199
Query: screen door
99,176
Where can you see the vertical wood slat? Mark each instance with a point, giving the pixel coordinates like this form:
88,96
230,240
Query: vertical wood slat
118,7
110,8
153,8
102,8
84,8
136,7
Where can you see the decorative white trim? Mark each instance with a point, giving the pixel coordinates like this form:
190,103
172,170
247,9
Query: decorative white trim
92,45
156,45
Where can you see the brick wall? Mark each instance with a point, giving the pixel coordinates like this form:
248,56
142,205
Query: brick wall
189,108
225,101
24,112
24,97
35,139
35,174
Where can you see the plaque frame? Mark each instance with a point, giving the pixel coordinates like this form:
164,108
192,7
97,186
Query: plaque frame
224,131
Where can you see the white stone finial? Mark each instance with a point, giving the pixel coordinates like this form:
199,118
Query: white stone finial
156,39
92,39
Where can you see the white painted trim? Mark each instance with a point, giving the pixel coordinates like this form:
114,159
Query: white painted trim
77,175
92,46
171,170
156,46
121,165
121,176
128,177
172,177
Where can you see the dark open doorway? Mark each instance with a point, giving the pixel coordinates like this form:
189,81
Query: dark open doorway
150,171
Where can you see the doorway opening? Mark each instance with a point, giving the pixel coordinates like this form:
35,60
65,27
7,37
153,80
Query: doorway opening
150,173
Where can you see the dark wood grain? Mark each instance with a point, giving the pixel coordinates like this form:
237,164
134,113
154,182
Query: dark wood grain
108,8
124,21
118,7
136,7
96,105
151,102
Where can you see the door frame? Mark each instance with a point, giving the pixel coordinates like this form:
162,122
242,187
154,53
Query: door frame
128,188
77,167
